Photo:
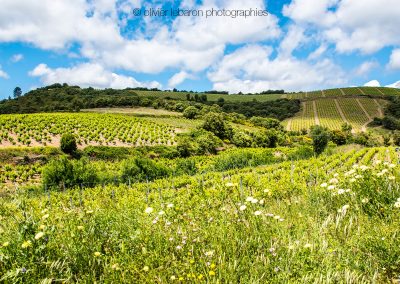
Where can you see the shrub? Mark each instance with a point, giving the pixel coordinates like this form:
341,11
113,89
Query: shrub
68,144
266,122
190,112
320,137
142,169
186,166
215,123
396,138
242,139
338,137
206,142
69,173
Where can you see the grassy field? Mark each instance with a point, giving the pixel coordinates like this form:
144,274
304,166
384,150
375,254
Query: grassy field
332,219
138,111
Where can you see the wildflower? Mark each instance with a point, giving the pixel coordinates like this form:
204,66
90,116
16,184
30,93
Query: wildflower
331,187
364,168
341,191
26,244
353,180
291,247
170,205
6,244
276,269
229,184
209,253
200,277
155,221
307,246
211,273
262,201
269,215
168,223
324,185
97,254
397,204
392,166
365,200
115,266
281,220
336,175
257,213
80,228
178,247
42,227
243,207
254,201
173,277
146,268
392,178
39,235
149,210
277,217
44,217
212,266
249,199
334,181
89,211
358,176
161,213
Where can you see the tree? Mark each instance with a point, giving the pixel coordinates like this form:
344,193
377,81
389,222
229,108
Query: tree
214,122
17,92
338,137
347,128
396,138
320,137
190,112
68,144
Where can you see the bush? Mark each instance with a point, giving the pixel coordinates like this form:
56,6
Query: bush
185,147
206,142
190,112
266,122
273,137
242,139
396,138
69,173
338,137
68,144
142,169
320,137
186,166
215,123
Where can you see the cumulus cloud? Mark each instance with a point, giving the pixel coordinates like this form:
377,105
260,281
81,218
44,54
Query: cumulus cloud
87,75
17,58
3,74
373,83
179,78
366,26
394,85
366,67
250,69
394,62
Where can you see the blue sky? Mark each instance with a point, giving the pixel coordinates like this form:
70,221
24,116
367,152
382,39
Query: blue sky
300,45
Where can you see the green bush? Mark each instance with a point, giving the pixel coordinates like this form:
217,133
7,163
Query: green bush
320,137
64,172
68,144
242,139
142,169
214,122
190,112
338,137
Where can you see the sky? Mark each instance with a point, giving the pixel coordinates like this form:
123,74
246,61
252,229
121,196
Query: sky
295,45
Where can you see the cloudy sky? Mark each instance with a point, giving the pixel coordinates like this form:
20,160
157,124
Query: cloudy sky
300,45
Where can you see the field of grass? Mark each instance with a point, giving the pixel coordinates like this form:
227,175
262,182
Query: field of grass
90,129
333,112
137,111
332,219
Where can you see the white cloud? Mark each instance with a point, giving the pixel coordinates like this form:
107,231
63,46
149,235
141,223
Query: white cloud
373,83
189,43
3,74
179,78
250,69
366,67
294,37
394,85
17,58
87,75
367,25
316,54
394,62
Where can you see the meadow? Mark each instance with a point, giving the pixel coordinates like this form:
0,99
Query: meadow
332,219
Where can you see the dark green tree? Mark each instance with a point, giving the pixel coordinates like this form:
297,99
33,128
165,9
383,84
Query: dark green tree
190,112
17,92
320,137
68,144
214,122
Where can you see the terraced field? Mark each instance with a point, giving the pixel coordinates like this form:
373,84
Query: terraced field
333,112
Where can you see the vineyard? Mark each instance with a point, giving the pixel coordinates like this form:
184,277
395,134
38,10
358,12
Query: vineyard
90,129
316,220
332,113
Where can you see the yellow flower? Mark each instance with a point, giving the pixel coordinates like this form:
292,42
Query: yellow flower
6,244
97,254
42,227
115,266
146,268
26,244
212,266
39,235
80,228
89,211
45,216
191,261
200,276
181,278
173,277
211,273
